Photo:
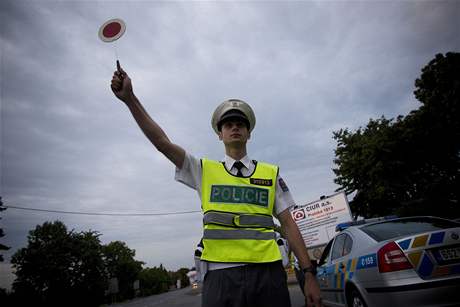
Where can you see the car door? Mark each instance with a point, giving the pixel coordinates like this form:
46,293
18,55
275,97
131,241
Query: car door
323,274
339,261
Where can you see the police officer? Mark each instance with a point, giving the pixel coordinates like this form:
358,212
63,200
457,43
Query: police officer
239,197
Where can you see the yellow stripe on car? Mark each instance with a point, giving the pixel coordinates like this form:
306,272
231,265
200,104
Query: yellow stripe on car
415,258
420,241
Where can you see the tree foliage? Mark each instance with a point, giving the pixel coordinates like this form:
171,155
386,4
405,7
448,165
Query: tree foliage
120,264
3,294
154,280
181,275
408,165
67,268
60,267
2,234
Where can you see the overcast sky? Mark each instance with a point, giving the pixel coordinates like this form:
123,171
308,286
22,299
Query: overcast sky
307,68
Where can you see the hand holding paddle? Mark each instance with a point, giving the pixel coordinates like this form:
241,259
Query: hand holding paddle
121,84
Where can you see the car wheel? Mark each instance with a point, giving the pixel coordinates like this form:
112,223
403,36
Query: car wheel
356,300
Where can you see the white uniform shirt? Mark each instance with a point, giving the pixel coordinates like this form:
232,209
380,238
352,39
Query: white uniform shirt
190,174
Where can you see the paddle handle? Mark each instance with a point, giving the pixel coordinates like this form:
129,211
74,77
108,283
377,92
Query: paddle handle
121,75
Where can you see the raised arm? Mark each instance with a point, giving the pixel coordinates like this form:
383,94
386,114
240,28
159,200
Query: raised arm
123,90
297,245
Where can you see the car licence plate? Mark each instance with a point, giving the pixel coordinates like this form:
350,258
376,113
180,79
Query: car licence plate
448,254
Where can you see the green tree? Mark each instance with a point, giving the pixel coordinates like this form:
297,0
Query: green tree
120,264
438,89
436,135
154,280
4,297
2,234
408,165
371,165
181,275
60,267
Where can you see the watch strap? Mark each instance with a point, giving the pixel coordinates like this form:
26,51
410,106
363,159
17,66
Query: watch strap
311,269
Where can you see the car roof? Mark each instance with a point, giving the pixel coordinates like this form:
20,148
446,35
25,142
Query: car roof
356,230
384,219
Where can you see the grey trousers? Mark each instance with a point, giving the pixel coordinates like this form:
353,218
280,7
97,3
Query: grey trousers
252,285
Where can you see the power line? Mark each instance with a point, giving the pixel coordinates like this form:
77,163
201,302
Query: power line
100,213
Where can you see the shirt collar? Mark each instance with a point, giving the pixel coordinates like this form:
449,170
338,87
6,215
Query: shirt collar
229,162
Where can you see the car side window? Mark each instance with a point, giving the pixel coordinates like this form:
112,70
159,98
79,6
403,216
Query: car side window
347,245
337,249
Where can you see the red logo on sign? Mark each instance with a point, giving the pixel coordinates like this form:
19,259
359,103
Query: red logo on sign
299,215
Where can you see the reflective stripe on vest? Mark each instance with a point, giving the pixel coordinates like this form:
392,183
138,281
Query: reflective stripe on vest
238,220
220,234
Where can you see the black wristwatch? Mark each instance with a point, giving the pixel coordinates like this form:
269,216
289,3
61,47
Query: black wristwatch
310,269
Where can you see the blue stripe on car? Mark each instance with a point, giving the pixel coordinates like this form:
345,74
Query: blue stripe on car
455,270
437,238
426,267
404,244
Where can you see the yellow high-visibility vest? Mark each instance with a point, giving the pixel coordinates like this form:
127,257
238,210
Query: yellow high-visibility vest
238,214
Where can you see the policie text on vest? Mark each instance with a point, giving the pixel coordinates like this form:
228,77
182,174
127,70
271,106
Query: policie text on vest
239,195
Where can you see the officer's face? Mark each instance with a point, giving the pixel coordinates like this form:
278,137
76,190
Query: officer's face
234,131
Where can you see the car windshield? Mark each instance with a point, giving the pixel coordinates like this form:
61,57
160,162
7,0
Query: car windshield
404,227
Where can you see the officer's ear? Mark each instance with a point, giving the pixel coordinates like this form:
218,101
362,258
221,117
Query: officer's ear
220,135
249,135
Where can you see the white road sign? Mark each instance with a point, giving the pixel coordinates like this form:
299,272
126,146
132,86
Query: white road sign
317,220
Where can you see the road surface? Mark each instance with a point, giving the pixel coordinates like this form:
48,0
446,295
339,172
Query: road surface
192,298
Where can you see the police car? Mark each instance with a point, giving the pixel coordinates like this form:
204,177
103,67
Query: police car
413,261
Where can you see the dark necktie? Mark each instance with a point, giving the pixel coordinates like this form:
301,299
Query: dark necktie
238,165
